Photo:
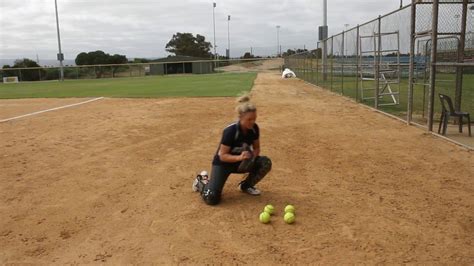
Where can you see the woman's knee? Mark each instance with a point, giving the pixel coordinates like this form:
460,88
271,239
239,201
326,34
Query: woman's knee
264,164
211,197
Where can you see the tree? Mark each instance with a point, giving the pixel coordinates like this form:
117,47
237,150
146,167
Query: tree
248,55
289,52
292,52
317,52
26,74
24,63
5,73
117,59
82,59
140,60
186,44
100,58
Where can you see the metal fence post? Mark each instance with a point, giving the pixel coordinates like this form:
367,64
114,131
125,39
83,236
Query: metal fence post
434,51
357,63
459,69
332,61
308,61
317,70
304,69
378,58
342,64
324,61
306,66
301,67
411,73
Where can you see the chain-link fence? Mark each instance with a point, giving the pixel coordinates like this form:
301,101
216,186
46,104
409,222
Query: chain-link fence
141,69
248,58
75,72
270,51
391,64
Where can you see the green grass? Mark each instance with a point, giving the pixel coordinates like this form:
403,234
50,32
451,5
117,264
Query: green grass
212,85
445,84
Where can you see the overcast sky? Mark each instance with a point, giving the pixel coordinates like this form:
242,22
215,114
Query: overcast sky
141,28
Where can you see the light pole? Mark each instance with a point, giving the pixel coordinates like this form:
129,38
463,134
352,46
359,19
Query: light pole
228,36
346,26
278,41
324,37
60,54
401,4
214,19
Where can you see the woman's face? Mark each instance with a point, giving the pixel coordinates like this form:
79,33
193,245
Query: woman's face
247,120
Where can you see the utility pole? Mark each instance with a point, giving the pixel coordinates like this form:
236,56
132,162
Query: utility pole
214,19
228,36
278,41
323,35
60,54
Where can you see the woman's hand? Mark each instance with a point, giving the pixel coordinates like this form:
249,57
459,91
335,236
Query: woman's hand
245,155
226,156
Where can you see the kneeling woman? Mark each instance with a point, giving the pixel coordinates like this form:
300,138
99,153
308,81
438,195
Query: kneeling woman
238,152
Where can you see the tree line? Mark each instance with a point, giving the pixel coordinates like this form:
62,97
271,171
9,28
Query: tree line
181,44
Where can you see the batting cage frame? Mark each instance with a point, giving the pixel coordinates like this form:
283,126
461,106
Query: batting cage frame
427,48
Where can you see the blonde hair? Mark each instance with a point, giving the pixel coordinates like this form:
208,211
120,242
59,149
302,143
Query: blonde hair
244,105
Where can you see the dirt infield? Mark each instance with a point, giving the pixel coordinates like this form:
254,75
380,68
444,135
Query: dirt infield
110,181
13,108
255,66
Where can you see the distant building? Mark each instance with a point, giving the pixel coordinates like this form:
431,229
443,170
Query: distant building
181,65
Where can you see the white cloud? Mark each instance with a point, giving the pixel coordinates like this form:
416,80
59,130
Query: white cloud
142,28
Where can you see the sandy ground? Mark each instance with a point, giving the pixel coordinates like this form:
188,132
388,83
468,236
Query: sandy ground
452,131
110,182
256,66
462,138
13,108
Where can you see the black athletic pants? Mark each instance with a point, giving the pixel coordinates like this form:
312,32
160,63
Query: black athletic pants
211,193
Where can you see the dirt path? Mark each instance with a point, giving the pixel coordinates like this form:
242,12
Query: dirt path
111,182
255,66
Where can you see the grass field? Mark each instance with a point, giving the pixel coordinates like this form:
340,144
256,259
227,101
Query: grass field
147,87
445,84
